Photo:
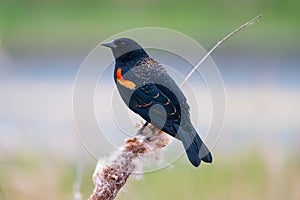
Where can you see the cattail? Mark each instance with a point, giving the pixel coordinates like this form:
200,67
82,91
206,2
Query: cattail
109,179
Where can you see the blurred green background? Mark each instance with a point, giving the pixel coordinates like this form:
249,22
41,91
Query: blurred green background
42,44
79,24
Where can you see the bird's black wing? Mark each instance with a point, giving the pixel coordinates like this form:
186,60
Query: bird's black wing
155,107
158,99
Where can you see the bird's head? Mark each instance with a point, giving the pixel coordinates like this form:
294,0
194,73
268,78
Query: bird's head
125,48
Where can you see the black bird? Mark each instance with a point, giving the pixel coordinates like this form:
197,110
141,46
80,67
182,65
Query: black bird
148,90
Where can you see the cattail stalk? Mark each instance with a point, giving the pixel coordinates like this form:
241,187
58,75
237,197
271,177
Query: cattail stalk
109,179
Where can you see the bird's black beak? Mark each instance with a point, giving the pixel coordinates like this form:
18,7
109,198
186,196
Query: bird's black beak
110,44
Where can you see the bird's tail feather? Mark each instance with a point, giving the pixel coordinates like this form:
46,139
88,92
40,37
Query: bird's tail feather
195,148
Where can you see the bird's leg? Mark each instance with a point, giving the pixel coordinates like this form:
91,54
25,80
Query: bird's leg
140,132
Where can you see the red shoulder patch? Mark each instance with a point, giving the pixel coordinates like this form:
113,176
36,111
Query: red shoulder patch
119,74
126,83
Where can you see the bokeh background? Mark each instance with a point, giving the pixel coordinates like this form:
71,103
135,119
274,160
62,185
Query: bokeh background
42,44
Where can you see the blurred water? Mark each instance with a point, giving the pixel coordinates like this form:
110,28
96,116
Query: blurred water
262,109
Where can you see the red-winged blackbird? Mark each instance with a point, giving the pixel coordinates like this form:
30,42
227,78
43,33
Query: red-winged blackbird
148,90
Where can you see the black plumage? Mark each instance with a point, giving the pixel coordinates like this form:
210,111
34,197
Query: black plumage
148,90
